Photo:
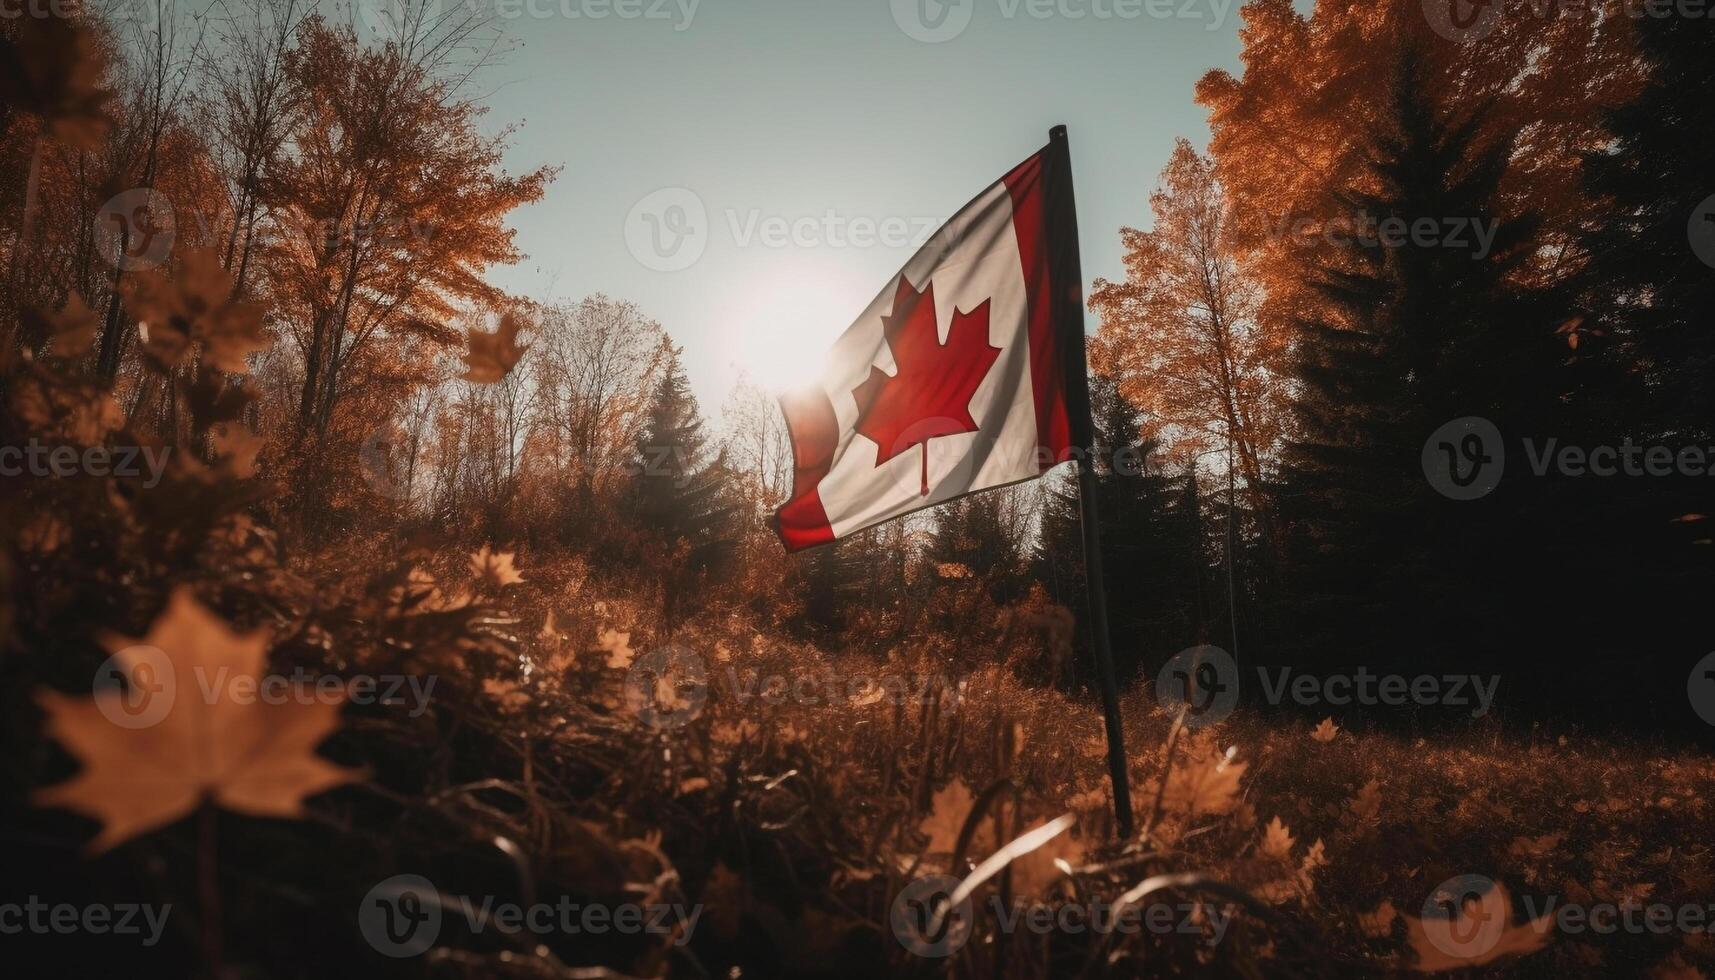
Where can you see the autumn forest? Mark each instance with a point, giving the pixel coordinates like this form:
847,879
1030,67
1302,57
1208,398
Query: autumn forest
360,616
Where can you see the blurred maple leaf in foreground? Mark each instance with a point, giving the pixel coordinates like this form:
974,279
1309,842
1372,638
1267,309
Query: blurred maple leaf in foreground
246,755
493,355
195,306
52,67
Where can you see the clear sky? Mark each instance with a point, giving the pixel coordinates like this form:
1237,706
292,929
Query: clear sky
752,172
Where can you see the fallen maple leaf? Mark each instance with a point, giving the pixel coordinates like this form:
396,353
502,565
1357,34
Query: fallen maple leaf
1379,923
493,355
1315,857
1532,848
506,694
617,646
1326,731
947,812
929,393
1209,787
1367,805
1277,840
743,731
246,755
494,568
1676,967
44,534
725,895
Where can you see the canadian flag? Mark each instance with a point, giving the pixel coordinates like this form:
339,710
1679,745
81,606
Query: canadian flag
965,373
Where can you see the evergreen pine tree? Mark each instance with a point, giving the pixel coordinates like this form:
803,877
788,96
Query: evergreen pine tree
1648,299
1411,334
681,495
976,532
1151,546
1647,288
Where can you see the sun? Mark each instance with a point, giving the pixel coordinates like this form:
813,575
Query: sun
780,335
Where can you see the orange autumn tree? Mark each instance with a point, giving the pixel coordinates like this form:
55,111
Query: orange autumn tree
1289,133
390,205
1182,336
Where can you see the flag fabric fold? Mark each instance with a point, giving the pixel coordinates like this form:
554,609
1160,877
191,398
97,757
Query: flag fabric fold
965,373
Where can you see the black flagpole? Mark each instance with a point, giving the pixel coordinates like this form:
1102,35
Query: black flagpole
1068,280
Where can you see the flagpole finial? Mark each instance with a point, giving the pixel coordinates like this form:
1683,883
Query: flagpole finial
1058,132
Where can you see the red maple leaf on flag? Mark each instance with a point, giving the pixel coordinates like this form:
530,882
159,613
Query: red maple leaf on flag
929,394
